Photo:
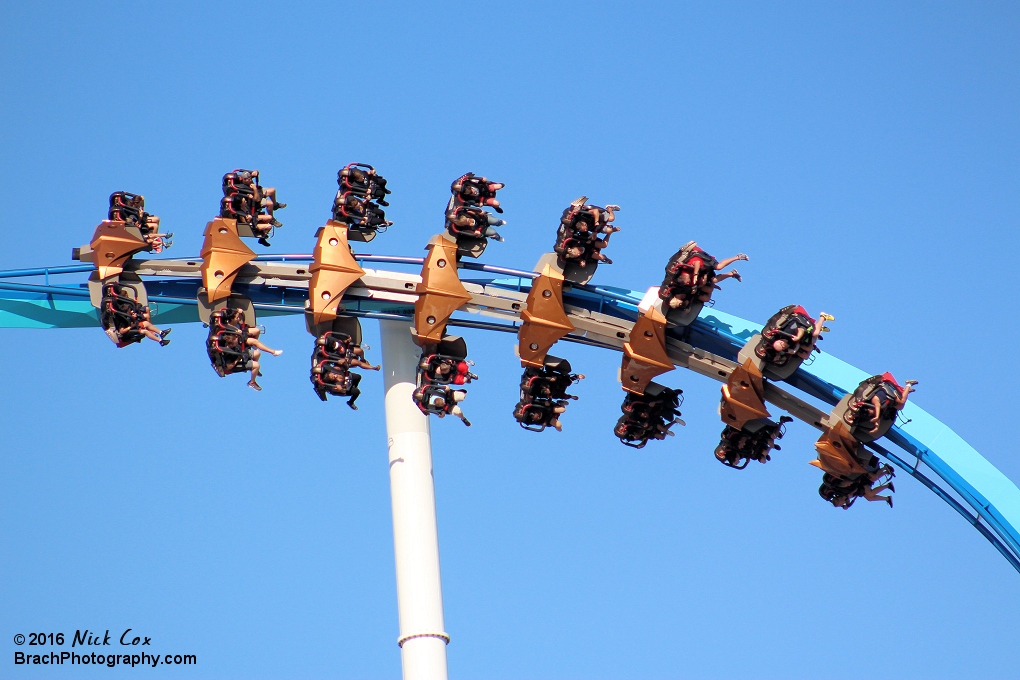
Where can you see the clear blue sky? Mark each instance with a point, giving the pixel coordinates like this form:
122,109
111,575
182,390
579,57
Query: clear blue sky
865,156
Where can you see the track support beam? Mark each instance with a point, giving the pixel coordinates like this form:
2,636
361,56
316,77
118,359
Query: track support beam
423,637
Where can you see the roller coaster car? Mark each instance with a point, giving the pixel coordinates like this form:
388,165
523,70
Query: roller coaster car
230,320
550,381
687,272
239,197
363,180
127,208
871,409
445,363
470,189
472,228
787,339
130,209
583,232
227,345
842,490
242,201
361,190
649,415
738,447
544,394
123,308
336,350
440,369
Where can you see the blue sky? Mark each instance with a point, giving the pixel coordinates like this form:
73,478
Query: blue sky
865,156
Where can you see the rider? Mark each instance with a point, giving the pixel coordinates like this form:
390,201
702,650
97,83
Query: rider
469,189
440,400
441,369
648,416
577,239
336,379
358,210
334,357
877,398
740,445
791,332
127,320
692,273
244,349
250,203
542,412
843,491
363,180
467,220
130,209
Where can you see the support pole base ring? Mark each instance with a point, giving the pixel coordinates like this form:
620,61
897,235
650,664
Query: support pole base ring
442,636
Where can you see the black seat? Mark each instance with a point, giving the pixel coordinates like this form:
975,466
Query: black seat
649,415
120,314
226,344
470,189
127,207
362,180
738,447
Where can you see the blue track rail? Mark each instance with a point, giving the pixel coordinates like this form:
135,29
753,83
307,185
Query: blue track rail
928,449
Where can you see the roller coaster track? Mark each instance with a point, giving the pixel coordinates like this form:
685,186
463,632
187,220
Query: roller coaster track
603,316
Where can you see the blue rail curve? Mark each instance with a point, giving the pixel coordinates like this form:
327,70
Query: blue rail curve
928,449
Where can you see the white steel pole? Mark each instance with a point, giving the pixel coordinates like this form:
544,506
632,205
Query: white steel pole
423,637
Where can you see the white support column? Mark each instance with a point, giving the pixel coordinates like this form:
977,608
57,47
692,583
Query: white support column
423,637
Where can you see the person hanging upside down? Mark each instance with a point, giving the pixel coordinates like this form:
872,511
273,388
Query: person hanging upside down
339,381
440,400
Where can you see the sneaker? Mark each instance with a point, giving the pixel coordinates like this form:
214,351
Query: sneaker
254,385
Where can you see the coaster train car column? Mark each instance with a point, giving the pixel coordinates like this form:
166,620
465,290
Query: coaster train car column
357,215
116,291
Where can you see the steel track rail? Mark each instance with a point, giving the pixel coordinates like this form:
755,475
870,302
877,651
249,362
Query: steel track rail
603,318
